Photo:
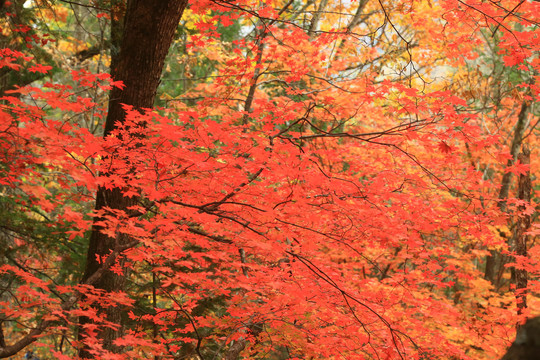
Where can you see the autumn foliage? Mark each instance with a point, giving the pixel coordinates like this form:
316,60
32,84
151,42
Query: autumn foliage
316,180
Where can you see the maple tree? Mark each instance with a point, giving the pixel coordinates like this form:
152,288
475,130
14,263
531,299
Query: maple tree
314,179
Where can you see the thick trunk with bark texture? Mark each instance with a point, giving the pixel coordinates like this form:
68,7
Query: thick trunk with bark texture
149,28
527,343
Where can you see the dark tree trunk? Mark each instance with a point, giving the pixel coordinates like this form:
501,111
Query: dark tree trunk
527,343
522,226
148,31
495,261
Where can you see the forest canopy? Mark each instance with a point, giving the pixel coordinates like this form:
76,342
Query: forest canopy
269,179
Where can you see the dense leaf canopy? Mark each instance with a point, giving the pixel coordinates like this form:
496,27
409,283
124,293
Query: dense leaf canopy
314,180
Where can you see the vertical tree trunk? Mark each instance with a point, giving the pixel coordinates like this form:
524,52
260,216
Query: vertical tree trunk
527,343
317,17
148,31
522,226
495,261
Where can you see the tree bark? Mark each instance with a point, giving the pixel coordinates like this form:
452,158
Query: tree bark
317,17
527,343
522,226
519,131
148,31
495,261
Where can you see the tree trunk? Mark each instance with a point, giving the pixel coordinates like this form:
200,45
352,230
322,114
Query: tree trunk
495,261
317,17
148,31
522,226
527,343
